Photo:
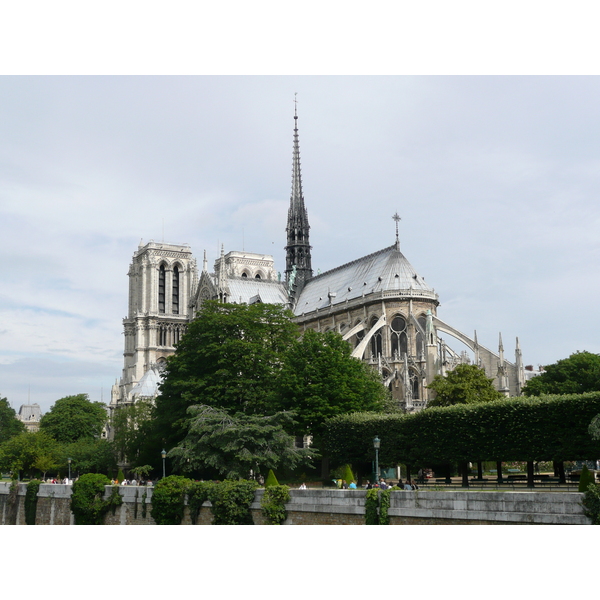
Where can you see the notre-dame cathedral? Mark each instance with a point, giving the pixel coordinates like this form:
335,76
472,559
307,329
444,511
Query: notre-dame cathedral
378,303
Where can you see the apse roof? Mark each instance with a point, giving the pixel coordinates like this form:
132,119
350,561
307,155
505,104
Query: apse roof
385,270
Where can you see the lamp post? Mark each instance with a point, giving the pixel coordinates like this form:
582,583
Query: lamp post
69,461
164,456
376,444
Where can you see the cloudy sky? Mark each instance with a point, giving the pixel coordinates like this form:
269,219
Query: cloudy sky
495,178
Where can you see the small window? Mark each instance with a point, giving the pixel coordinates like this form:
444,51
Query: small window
175,290
161,289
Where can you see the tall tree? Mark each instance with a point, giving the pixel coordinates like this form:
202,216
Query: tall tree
229,358
577,374
321,379
74,417
132,425
466,384
28,451
10,425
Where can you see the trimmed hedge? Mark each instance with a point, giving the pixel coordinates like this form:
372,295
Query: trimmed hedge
552,428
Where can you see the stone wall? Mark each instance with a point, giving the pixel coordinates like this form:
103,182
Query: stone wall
327,507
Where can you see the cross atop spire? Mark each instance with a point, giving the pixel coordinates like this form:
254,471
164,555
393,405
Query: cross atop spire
397,218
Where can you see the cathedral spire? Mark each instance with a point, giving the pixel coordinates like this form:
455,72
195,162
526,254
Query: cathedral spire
298,259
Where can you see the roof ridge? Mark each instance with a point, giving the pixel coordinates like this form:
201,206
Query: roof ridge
352,262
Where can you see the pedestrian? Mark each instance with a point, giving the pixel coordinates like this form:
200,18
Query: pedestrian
352,485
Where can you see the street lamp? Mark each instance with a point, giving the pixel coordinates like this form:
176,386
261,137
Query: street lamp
69,461
376,444
164,456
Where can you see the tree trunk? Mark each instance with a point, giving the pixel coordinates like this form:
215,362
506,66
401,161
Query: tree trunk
530,474
407,472
464,467
479,470
562,478
325,468
499,471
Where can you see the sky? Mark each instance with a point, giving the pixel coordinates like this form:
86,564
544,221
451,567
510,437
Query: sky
495,178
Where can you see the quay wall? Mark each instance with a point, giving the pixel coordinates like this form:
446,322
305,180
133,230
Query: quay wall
326,507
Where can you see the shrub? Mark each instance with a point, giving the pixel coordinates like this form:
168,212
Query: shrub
31,501
348,475
273,504
168,500
198,494
271,479
586,479
591,503
120,476
87,502
231,502
372,507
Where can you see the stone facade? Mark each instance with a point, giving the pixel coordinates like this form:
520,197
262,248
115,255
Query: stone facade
328,507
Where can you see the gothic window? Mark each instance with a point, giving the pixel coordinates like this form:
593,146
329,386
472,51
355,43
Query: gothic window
257,276
414,384
419,339
399,337
161,289
359,337
175,290
376,341
162,335
244,274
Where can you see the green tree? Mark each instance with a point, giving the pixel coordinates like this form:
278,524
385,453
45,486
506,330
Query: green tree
577,374
74,417
234,445
26,450
9,423
466,384
229,358
320,379
89,455
131,426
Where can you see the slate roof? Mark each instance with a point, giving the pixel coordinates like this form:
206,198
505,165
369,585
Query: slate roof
385,270
30,412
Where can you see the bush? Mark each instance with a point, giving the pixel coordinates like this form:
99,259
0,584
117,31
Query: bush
271,479
372,507
273,504
586,479
591,503
198,494
31,501
87,502
231,502
168,500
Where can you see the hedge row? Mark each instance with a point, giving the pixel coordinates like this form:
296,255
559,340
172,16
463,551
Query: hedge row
516,429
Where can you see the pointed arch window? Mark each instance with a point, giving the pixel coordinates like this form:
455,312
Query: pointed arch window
161,289
399,337
376,341
175,288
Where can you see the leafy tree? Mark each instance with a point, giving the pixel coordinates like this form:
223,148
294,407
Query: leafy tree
74,417
577,374
132,426
26,450
10,425
321,379
236,444
466,384
89,455
229,358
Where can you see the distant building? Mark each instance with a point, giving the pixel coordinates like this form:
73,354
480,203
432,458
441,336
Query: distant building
30,415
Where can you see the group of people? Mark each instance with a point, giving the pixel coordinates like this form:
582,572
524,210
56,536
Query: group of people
130,482
408,485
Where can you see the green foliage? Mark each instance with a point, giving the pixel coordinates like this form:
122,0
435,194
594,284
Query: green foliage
591,503
28,452
198,493
348,475
273,503
320,379
168,500
577,374
74,417
31,500
236,444
231,502
120,476
377,505
87,500
132,426
142,471
522,429
229,358
372,507
466,384
10,425
88,455
585,479
271,479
